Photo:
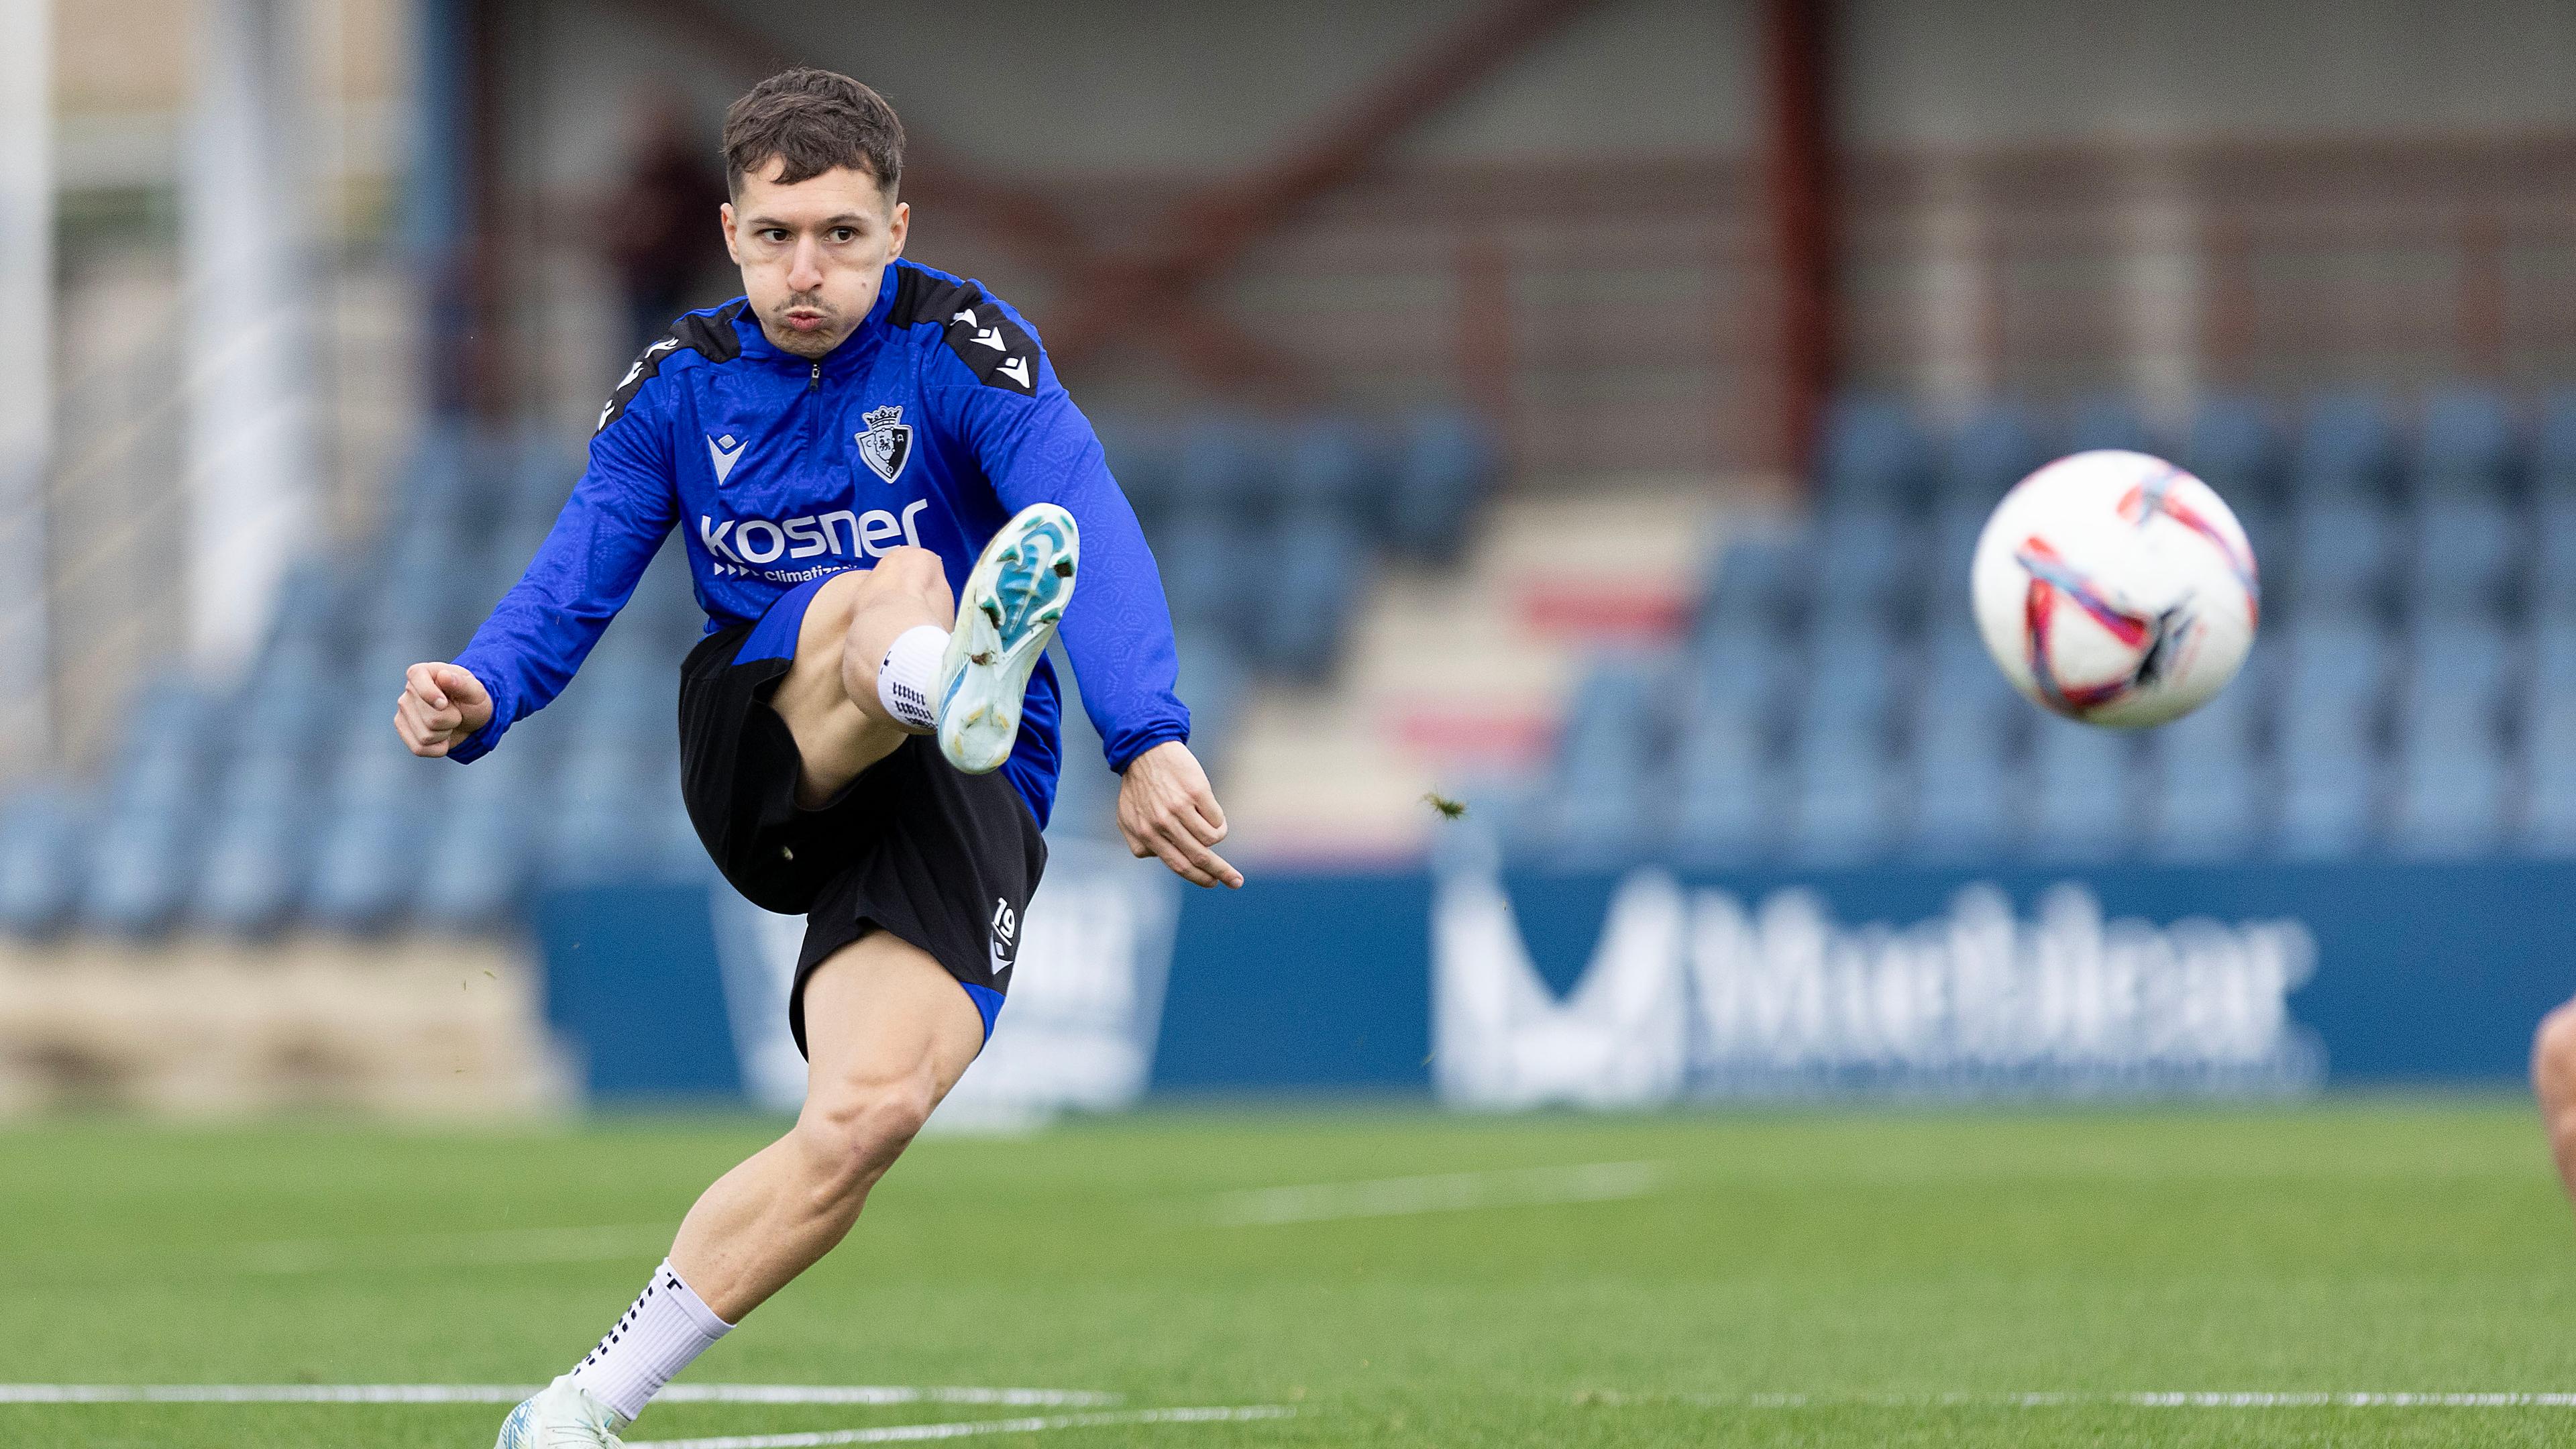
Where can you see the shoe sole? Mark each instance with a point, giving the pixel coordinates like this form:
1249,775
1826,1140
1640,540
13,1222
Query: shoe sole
1006,616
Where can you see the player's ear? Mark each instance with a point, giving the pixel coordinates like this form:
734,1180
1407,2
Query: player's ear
896,230
724,215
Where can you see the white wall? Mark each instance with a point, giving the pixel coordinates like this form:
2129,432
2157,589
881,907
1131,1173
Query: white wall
1972,73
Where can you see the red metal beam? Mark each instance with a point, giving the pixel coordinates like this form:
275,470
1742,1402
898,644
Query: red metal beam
1798,176
1210,232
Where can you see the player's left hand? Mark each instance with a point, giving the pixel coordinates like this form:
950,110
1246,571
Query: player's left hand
1166,809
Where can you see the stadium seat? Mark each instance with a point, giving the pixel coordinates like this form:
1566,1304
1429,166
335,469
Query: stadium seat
1966,731
2339,559
1331,470
475,870
2448,795
1142,457
2208,786
2235,448
2347,449
1762,584
146,850
1990,453
1312,579
1865,566
2466,553
2552,571
40,852
2468,446
257,857
1606,757
1446,464
1874,457
2328,737
2109,422
2548,821
1725,790
366,863
2083,800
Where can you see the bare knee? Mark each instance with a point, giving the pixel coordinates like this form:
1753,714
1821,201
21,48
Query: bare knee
852,1132
907,572
2553,1059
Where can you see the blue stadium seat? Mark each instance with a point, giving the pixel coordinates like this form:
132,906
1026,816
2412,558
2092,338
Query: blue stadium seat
2340,558
146,851
2110,422
1606,757
1225,469
365,867
1737,668
1144,459
1957,519
257,858
1446,464
1764,584
2466,549
2083,802
2553,445
1311,584
1726,791
1331,470
1991,452
2235,448
2549,760
1213,682
2328,731
2207,782
2449,780
479,852
1865,570
2347,449
41,849
2468,446
1842,784
1966,732
1205,573
1874,457
2552,575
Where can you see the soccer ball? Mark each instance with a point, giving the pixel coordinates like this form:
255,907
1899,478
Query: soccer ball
2116,589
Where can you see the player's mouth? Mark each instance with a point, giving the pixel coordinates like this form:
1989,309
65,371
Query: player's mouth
806,319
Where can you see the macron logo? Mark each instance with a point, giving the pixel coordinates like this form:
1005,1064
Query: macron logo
724,452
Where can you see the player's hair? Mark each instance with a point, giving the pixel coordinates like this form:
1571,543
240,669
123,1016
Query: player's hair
813,120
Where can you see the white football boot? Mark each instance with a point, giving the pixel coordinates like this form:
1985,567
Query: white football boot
562,1416
1009,610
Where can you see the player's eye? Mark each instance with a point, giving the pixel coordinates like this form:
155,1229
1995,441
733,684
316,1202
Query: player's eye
843,234
773,235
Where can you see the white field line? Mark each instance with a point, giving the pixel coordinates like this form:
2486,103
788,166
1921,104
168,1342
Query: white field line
504,1246
513,1393
2169,1399
1440,1192
903,1433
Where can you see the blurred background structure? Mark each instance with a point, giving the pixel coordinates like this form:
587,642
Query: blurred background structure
1583,407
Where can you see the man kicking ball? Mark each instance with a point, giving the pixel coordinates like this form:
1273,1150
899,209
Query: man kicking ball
887,502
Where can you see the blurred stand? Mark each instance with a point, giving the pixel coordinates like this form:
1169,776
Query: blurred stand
26,379
660,225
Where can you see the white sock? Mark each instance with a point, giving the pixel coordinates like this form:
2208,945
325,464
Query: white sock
668,1326
909,675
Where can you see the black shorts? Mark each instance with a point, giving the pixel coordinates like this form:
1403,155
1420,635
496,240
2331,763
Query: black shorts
913,847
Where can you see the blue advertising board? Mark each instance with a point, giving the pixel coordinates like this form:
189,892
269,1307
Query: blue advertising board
1647,986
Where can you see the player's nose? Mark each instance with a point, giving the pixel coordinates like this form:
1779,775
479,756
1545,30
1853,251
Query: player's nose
804,266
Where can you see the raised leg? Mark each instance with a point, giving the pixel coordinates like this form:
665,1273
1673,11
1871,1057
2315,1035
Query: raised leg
829,697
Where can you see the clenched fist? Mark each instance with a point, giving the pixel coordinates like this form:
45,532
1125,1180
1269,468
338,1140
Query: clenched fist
441,704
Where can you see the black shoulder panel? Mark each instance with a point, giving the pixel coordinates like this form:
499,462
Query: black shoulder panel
993,345
710,337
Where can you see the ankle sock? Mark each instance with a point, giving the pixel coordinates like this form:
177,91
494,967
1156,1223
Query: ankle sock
668,1326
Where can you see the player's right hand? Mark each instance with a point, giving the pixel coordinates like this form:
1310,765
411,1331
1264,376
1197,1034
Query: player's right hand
441,704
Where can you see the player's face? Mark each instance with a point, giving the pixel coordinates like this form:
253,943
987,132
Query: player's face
812,254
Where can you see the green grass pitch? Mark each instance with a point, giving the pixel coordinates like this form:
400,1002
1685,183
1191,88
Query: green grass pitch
1899,1274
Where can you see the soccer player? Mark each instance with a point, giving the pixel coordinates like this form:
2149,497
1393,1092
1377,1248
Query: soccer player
887,501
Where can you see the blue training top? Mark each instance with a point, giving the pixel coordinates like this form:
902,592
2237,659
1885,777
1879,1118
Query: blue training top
932,423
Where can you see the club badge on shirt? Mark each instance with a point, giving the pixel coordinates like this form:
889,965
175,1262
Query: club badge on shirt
887,444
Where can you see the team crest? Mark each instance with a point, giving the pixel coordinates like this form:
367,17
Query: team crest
887,443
